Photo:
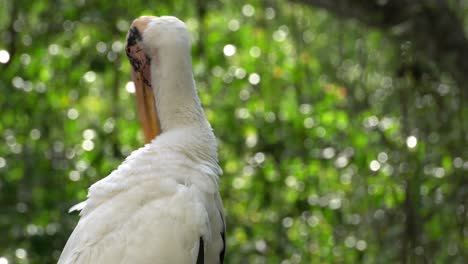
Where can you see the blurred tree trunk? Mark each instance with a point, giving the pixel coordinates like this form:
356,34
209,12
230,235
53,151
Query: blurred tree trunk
432,27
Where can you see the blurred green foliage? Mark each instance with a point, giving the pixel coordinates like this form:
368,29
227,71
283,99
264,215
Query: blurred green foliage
330,153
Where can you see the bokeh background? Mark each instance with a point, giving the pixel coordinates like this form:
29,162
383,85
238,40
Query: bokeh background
342,125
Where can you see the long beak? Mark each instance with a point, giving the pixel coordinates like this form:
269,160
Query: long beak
146,106
141,75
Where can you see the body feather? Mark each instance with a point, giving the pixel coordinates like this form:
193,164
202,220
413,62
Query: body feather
153,209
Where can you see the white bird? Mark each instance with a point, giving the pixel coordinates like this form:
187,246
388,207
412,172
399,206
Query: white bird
162,204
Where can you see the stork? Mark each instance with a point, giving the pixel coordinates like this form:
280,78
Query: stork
162,204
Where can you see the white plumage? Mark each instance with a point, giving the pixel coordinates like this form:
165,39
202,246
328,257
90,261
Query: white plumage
162,203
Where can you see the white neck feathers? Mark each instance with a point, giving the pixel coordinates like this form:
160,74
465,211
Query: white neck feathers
177,101
183,123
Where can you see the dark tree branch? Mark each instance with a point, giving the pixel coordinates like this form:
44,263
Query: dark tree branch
434,30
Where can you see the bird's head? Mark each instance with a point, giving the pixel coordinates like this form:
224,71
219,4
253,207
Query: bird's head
148,37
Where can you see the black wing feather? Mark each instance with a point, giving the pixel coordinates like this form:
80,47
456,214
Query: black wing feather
221,254
201,252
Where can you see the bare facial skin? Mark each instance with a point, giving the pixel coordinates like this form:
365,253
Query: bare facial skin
141,75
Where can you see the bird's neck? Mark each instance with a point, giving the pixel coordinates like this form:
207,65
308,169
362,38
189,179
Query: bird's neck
183,122
174,88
